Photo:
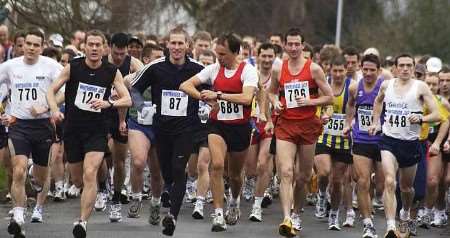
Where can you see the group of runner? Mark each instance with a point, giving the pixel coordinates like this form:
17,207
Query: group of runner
216,119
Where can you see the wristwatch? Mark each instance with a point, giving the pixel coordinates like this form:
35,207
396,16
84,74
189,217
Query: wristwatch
111,104
219,95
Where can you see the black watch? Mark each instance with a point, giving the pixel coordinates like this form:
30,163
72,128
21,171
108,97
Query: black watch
111,104
219,95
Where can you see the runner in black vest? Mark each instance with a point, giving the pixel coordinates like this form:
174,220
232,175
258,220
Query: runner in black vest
88,86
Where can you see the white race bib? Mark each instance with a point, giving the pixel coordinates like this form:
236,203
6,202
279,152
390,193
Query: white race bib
397,121
148,110
28,93
229,111
335,125
294,90
86,93
174,103
365,119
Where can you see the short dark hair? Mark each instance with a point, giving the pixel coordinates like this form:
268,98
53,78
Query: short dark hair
445,69
278,49
372,59
95,33
294,32
278,34
119,40
207,52
52,52
309,48
70,52
266,46
232,40
36,32
403,55
18,35
351,51
202,35
339,60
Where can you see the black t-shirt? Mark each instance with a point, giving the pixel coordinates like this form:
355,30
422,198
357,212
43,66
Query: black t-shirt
83,85
163,75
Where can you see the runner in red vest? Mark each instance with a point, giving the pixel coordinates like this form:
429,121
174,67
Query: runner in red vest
233,86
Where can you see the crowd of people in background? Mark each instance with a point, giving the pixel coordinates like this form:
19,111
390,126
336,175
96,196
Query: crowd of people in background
119,118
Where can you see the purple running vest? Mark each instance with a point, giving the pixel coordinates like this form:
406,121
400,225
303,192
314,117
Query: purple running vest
364,101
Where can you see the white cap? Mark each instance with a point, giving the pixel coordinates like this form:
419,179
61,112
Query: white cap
434,65
56,39
372,51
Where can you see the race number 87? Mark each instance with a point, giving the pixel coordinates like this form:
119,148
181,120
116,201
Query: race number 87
294,93
228,107
174,103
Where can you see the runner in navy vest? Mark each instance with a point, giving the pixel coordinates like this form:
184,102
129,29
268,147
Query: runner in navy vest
176,117
366,154
88,83
234,85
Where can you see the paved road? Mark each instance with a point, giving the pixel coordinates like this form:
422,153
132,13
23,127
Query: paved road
59,218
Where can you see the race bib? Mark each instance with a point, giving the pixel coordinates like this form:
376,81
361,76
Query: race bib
146,117
335,125
85,94
397,120
174,103
203,111
229,111
295,90
365,119
28,93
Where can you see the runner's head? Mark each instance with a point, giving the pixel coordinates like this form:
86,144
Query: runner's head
95,41
444,80
420,72
178,44
135,47
328,53
338,71
207,57
432,81
266,56
227,49
276,39
119,48
78,37
19,42
294,43
352,57
370,66
202,41
405,66
34,40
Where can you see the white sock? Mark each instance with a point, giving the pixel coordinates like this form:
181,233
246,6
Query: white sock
335,212
201,198
390,224
156,200
404,215
137,196
350,212
367,221
234,201
322,193
18,213
219,211
258,201
59,185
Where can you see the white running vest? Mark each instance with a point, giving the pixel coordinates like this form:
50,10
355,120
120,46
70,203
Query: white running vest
397,111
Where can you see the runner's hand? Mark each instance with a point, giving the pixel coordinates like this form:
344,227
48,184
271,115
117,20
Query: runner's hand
262,118
99,104
268,128
415,118
434,149
8,120
302,101
373,129
57,116
278,107
346,131
446,148
325,118
37,110
207,95
123,128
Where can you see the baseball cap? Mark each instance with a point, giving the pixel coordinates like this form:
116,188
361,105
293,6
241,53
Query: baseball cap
135,39
434,65
57,40
372,51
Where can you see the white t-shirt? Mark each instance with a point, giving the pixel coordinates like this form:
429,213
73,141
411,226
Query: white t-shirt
249,75
29,84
